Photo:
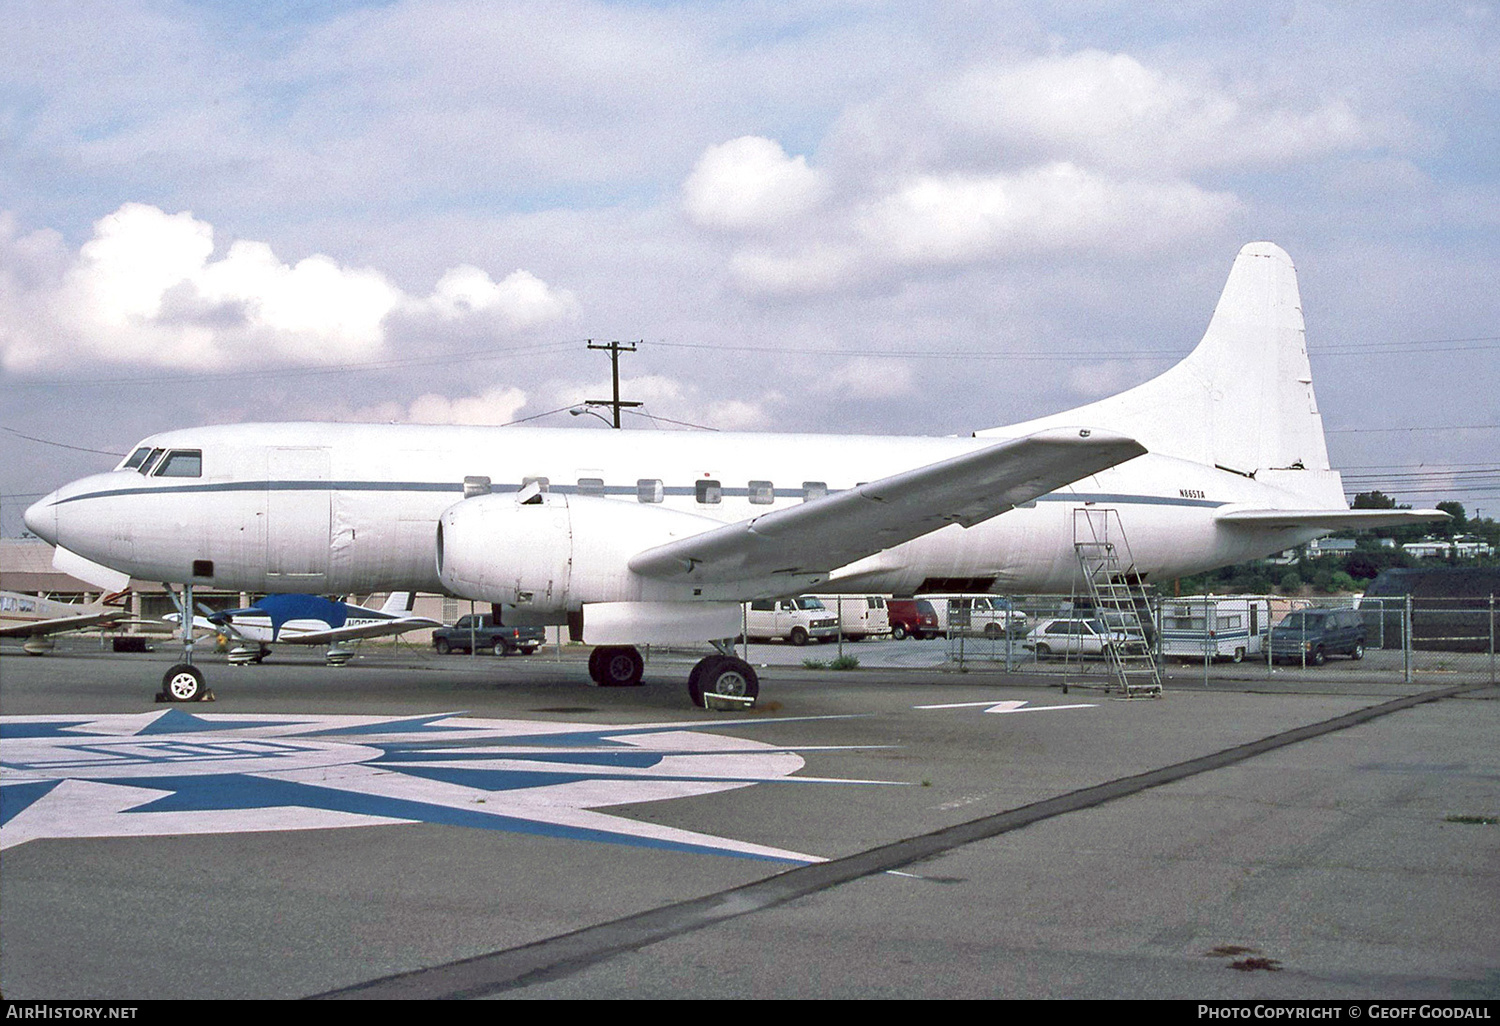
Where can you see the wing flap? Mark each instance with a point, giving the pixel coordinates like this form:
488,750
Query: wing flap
829,532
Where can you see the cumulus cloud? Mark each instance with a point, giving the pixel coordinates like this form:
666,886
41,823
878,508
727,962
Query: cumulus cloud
1114,111
147,289
499,405
750,183
1089,153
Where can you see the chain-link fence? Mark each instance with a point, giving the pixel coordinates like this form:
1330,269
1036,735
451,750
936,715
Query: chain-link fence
1407,639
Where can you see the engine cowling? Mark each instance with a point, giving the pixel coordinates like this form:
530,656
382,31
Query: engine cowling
555,552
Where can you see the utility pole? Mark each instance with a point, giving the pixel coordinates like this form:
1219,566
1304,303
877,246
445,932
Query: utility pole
615,349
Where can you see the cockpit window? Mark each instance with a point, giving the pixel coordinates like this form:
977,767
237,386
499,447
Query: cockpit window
182,463
150,461
136,458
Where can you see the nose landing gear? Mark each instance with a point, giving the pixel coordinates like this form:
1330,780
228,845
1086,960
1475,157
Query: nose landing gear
184,682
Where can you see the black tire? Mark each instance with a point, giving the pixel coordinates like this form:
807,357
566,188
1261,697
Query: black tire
528,649
992,630
1359,650
798,636
1238,657
502,649
1319,657
442,646
724,675
898,632
1042,652
183,683
616,666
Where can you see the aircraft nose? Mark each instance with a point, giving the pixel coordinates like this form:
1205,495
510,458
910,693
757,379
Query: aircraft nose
41,519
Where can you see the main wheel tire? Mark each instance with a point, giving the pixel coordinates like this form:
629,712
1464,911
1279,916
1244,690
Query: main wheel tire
722,675
442,647
616,666
183,683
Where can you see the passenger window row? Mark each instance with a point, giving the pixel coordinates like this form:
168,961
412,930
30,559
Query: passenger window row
707,492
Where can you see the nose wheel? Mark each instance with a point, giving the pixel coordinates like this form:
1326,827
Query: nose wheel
185,682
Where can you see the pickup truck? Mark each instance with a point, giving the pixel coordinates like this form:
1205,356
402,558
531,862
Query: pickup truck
479,631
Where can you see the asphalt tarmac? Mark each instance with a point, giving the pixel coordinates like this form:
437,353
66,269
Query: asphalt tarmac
417,826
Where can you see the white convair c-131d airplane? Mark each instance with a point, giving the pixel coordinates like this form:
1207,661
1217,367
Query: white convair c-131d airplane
640,537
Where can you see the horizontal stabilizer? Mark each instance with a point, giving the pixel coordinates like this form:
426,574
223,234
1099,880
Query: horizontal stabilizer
822,534
1332,519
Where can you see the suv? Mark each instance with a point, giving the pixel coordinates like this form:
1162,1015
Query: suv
479,631
1312,635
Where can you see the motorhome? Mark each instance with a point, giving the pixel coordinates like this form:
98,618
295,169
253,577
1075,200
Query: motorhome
1214,627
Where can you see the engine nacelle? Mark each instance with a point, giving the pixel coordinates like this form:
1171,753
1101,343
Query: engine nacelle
556,552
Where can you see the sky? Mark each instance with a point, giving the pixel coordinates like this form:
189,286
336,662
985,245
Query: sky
856,217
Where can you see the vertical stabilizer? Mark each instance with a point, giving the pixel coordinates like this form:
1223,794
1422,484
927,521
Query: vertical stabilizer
1243,399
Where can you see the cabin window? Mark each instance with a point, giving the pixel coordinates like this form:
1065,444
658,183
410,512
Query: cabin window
182,463
136,458
762,493
150,460
649,489
814,490
591,486
709,493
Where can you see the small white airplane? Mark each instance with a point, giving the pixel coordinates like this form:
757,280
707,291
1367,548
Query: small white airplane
308,620
646,537
37,619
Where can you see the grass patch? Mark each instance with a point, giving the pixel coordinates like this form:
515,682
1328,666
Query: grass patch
844,662
1474,820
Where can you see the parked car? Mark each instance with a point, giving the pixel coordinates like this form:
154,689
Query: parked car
797,620
1079,636
478,631
1312,635
914,618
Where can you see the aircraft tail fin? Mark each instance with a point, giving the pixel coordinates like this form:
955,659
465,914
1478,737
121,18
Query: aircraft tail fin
1243,399
399,603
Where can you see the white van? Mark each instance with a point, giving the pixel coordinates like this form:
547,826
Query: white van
860,616
990,615
798,620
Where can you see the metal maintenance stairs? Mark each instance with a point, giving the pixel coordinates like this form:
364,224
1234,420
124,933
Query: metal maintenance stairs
1119,599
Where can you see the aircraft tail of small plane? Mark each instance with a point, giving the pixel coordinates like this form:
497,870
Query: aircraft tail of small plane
1243,399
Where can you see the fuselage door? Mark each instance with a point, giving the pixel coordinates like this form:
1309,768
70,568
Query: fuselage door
297,516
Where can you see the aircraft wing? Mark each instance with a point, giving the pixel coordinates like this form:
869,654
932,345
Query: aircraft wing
354,632
823,534
1333,519
61,624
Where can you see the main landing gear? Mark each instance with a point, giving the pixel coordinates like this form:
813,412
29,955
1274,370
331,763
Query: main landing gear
722,675
616,666
185,682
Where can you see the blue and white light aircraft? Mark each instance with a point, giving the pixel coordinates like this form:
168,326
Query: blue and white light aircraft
309,620
634,538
